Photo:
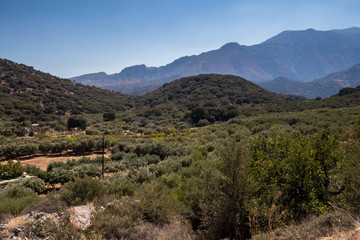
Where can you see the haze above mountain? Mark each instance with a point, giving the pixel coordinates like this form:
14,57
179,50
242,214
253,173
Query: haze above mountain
299,55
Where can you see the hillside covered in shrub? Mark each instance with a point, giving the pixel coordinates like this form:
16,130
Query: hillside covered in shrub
24,90
214,89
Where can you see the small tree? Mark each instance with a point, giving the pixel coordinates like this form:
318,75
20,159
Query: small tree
109,116
125,127
203,123
77,121
45,147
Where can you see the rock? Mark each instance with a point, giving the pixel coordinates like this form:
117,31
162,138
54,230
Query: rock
40,215
81,216
19,238
42,219
18,231
2,227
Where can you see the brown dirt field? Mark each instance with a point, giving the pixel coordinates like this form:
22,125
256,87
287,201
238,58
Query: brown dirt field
43,161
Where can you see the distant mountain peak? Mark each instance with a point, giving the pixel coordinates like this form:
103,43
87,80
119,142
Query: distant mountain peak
231,45
135,67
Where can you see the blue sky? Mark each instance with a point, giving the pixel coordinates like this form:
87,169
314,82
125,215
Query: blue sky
72,37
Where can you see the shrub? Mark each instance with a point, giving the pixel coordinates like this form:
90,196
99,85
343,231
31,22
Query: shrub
11,170
35,171
203,123
120,186
118,156
81,191
298,166
14,198
59,175
349,174
34,183
118,216
92,132
141,175
92,170
16,190
156,203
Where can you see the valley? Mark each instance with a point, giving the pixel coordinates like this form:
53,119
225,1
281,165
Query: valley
179,120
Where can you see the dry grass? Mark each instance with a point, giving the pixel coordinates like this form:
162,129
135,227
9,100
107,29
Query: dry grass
175,230
337,225
348,235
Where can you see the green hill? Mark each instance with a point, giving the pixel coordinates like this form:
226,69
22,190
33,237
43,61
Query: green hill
24,90
347,97
213,89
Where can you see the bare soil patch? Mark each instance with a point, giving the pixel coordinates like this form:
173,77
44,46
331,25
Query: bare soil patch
18,221
43,161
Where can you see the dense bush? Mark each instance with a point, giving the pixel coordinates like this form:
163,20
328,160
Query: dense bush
81,191
77,122
349,170
120,185
34,183
11,170
298,167
217,190
109,116
35,171
60,175
14,198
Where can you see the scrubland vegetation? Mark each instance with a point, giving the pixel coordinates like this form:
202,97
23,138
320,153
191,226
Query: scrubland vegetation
221,167
239,179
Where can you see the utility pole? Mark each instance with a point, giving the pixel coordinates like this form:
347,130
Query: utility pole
103,156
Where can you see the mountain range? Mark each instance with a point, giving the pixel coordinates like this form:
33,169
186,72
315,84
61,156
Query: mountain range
299,55
323,87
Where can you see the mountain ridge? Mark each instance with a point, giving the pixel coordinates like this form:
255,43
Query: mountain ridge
322,87
300,55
